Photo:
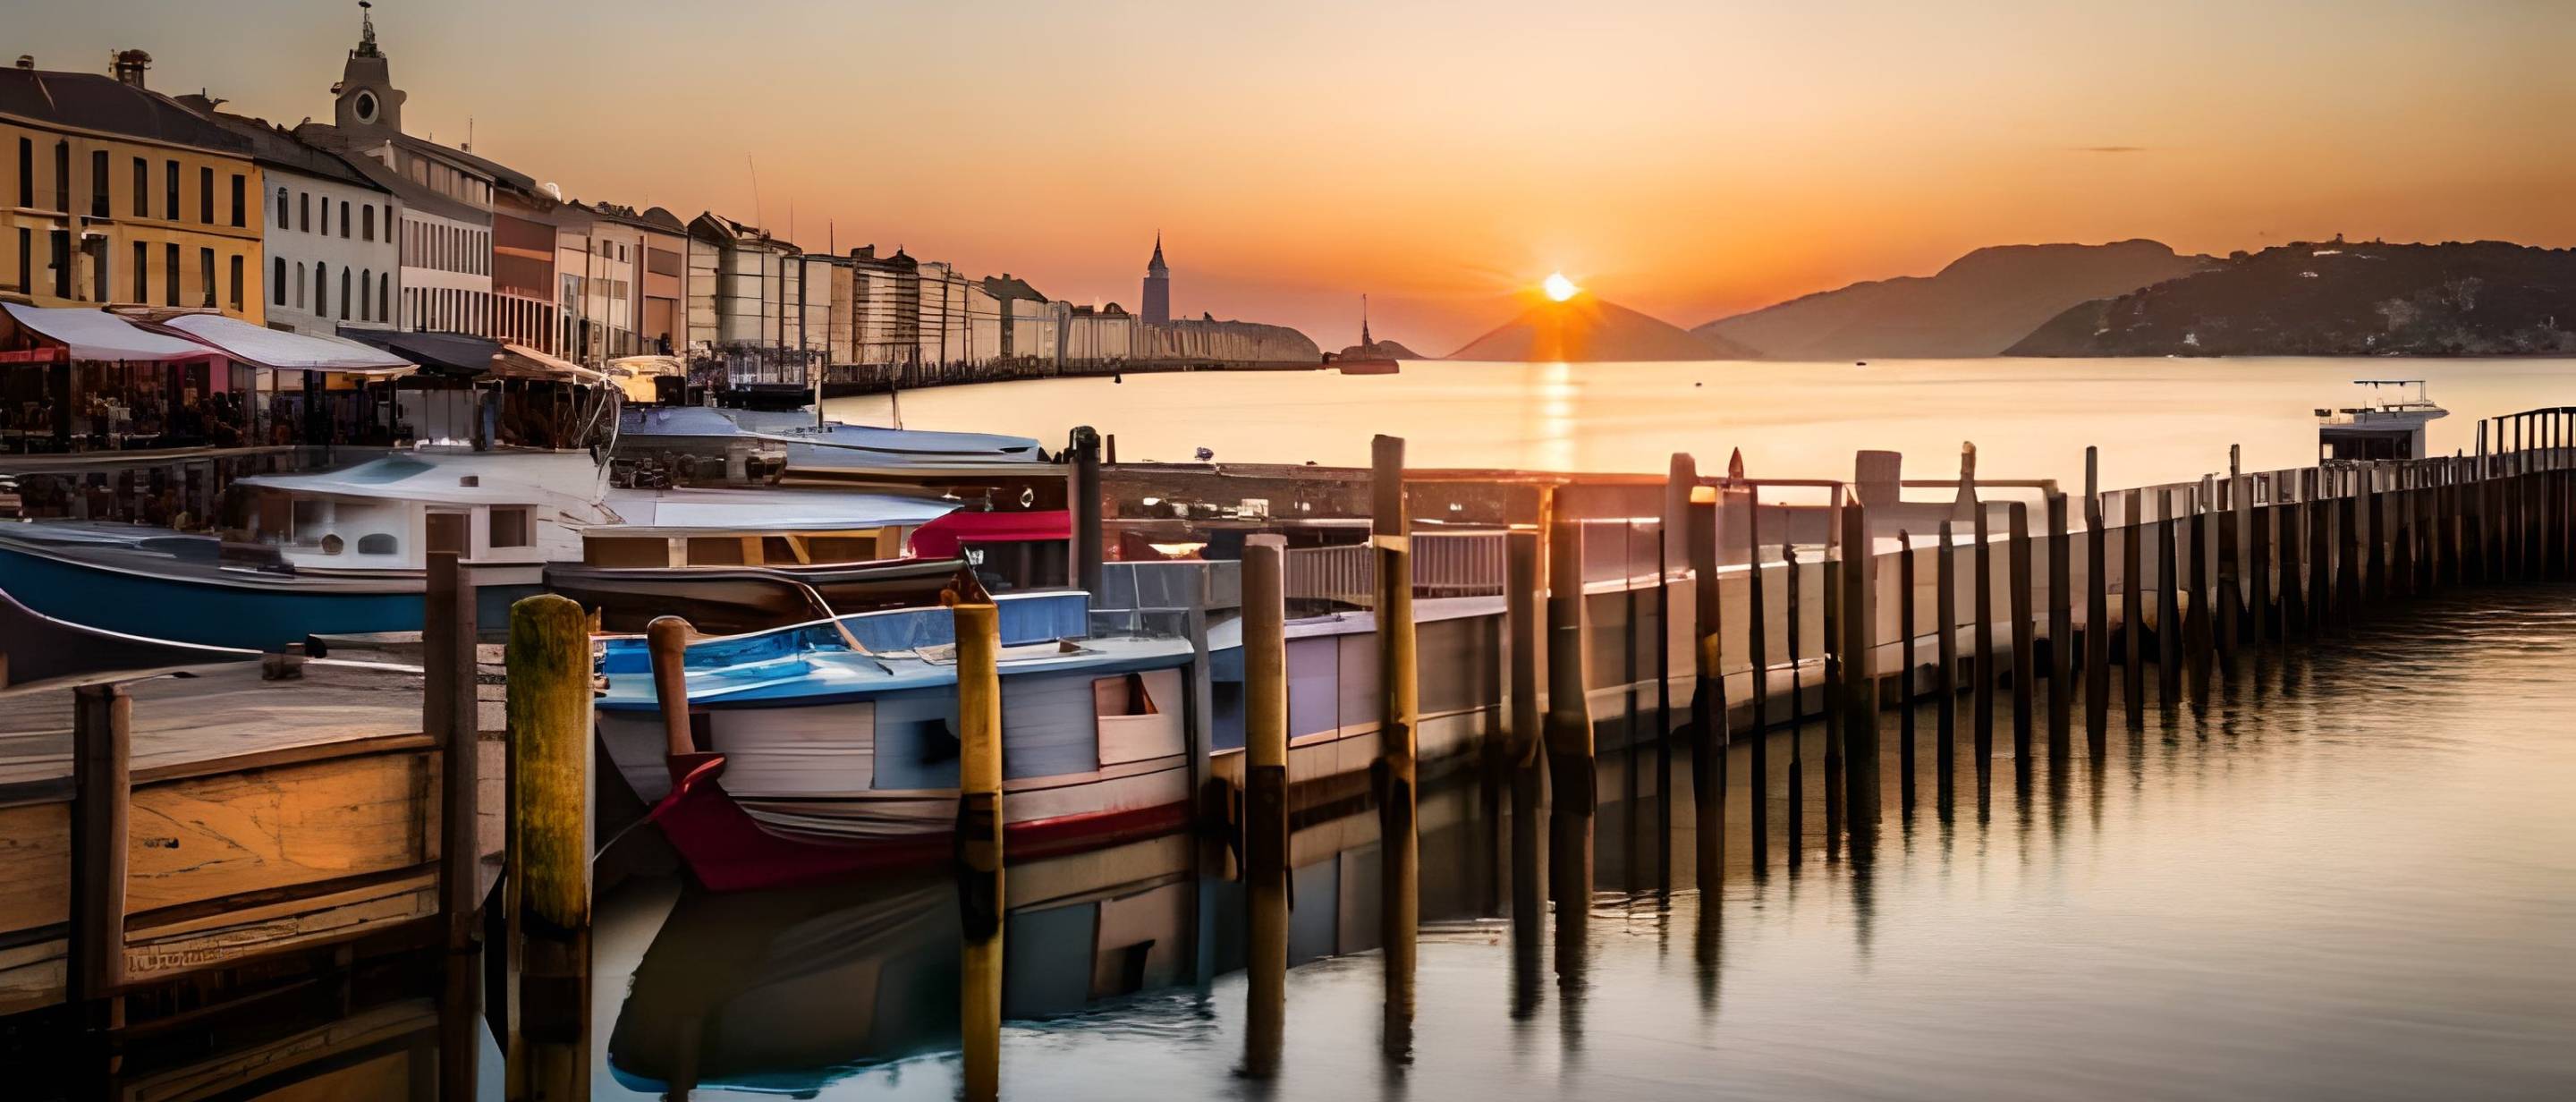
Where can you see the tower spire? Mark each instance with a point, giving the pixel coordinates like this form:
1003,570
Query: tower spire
366,28
1365,342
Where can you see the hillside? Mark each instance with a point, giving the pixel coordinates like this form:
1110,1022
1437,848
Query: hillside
1588,330
2486,298
1977,306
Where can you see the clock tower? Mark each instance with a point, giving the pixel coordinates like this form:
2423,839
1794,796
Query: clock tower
366,99
1158,287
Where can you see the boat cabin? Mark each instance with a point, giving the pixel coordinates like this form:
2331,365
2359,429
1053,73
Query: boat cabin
2387,424
387,514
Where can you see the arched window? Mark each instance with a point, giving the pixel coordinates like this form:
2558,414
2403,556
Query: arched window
344,292
385,296
366,280
277,279
376,543
281,208
299,285
322,285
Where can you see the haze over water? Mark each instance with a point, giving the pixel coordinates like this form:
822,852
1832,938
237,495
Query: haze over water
2352,875
2156,420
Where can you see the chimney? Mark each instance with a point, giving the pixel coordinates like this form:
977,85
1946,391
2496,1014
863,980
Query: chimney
130,65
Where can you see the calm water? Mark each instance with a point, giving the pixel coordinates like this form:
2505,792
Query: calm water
2155,420
2351,874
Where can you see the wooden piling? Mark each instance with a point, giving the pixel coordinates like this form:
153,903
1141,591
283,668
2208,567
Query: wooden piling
548,883
1265,803
102,781
1709,723
2196,627
2259,519
1087,548
1945,601
1859,686
2025,666
2061,633
980,878
2168,605
1829,695
2097,618
1982,689
449,715
1757,754
2133,610
1795,851
666,645
1906,686
1569,714
1400,702
2348,551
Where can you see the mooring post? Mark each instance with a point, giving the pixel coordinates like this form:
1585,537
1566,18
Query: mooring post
1399,704
1087,550
1860,680
548,879
1945,607
102,784
2061,633
2168,604
448,714
981,906
2196,618
2263,508
1521,614
666,644
1982,690
1569,713
1757,650
1829,687
1907,697
2236,535
2097,615
2025,666
1709,723
2133,608
2349,563
1795,851
1265,803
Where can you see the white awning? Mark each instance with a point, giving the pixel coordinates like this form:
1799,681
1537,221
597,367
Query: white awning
286,351
93,334
518,361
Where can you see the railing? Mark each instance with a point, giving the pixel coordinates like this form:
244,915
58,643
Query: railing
1445,564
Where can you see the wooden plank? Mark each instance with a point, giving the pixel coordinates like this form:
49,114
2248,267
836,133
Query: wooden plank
236,1070
206,838
102,757
157,958
35,864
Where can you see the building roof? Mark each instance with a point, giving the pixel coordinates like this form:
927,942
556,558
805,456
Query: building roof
717,227
415,195
653,219
501,174
1006,286
91,101
278,147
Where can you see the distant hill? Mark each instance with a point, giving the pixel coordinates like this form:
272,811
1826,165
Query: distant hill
1585,329
1978,306
1380,350
2488,298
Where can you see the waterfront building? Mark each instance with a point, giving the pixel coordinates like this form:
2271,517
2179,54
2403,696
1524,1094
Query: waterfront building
527,227
656,244
337,270
445,195
885,308
1158,287
113,193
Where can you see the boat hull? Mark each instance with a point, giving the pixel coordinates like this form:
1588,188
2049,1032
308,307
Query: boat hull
255,614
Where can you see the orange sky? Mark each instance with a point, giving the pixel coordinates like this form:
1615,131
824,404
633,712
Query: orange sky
1688,159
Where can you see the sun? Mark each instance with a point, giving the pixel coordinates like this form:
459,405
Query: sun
1558,287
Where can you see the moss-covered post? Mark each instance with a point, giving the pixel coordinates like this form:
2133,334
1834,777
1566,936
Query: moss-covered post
979,846
548,893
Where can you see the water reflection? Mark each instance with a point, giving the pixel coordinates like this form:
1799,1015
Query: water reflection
2347,873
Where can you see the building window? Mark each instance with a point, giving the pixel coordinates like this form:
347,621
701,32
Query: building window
236,296
344,294
509,528
366,280
142,272
26,178
322,288
170,269
142,188
304,211
95,248
368,233
170,195
277,281
299,286
26,261
344,218
385,297
98,183
206,274
326,216
241,200
281,208
206,198
63,176
62,244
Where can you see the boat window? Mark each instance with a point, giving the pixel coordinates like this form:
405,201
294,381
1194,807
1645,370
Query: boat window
1122,696
509,528
331,544
376,543
306,517
715,551
447,532
841,548
779,550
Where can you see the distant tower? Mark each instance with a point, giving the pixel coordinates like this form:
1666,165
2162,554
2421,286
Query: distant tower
366,96
1158,287
1365,342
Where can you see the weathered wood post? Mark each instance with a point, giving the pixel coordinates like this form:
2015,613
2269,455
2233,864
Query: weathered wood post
1569,713
2263,512
2061,633
2234,541
1945,605
979,846
102,781
1521,599
1087,549
2349,563
1265,803
1757,648
2097,613
2168,604
448,714
1709,723
666,644
1829,686
1982,690
548,881
2197,618
1795,851
1860,680
2025,665
1400,702
1906,688
2133,609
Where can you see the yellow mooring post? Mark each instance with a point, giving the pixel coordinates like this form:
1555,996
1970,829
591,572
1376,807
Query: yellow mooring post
1265,803
1400,701
979,845
548,892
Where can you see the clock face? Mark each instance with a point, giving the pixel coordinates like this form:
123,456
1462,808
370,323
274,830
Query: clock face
366,107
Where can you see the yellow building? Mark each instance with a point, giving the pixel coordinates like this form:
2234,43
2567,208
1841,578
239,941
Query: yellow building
111,193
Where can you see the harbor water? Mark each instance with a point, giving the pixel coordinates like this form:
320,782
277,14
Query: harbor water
2349,874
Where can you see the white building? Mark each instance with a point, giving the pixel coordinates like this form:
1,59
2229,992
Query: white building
326,230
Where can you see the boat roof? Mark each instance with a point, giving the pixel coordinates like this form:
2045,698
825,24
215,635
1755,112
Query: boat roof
480,478
883,445
783,510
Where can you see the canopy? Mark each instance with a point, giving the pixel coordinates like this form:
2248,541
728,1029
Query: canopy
284,351
451,353
518,361
939,538
92,334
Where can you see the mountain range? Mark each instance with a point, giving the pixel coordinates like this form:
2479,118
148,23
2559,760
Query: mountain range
1587,329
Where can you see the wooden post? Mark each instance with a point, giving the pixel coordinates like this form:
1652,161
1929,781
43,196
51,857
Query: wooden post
1829,646
1399,841
2061,633
449,714
2168,604
1265,803
1860,680
1521,580
2349,563
1795,850
102,781
2196,621
1982,690
1709,724
2293,523
1945,602
979,845
1569,714
1905,689
2133,609
666,643
1758,754
548,883
1087,545
2025,666
2259,560
2097,619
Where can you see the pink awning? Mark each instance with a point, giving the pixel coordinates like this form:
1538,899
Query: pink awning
939,538
92,334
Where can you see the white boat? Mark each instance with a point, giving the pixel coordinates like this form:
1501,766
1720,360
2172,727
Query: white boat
2387,424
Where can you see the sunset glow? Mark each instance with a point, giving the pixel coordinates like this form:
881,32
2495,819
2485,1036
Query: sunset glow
1558,287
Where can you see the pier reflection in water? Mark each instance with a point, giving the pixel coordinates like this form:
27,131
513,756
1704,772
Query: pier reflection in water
2349,872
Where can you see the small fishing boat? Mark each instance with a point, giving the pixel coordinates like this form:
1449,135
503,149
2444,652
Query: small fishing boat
2387,424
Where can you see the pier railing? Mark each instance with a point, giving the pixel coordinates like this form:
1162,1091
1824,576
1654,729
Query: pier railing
1445,564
